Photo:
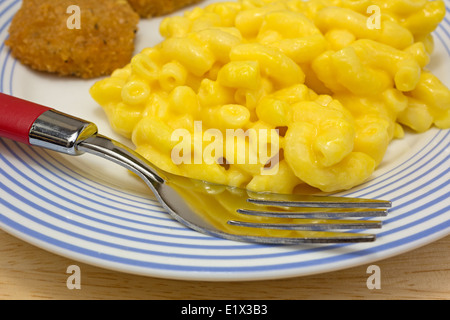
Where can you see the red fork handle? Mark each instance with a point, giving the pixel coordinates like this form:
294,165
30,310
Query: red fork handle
17,117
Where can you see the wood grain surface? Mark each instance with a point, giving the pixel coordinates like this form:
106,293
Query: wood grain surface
27,272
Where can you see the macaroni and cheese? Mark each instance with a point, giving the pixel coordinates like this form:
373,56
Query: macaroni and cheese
336,90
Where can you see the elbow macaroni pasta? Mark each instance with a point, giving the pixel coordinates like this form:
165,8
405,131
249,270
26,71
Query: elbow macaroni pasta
337,91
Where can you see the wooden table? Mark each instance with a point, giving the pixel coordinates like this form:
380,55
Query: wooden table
27,272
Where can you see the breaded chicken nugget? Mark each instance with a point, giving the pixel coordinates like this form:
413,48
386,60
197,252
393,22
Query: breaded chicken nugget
153,8
41,37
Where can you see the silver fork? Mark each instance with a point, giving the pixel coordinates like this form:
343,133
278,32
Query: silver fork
215,210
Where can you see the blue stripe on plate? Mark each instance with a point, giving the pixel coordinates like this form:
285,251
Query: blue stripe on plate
10,10
313,262
401,172
70,190
70,183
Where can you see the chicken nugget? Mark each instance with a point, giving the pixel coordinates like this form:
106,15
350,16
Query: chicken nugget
154,8
44,37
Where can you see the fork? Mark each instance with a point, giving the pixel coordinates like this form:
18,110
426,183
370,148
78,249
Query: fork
220,211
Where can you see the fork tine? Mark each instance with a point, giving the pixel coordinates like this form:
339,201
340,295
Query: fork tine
312,225
295,200
319,213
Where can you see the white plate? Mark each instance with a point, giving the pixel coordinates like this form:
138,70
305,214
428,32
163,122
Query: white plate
92,211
